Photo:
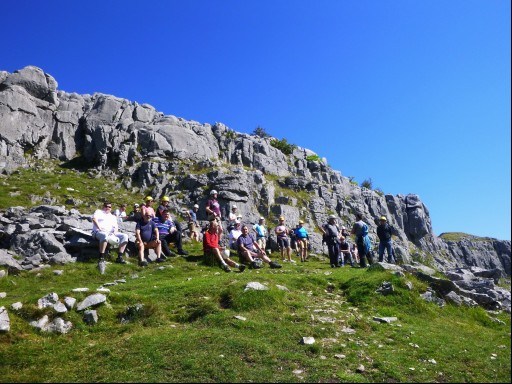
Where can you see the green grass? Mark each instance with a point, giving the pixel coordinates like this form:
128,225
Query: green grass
187,331
458,236
27,188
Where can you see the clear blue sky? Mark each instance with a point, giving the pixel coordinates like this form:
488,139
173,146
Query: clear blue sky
412,94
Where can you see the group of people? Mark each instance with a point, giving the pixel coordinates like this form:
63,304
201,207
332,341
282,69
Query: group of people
155,229
341,252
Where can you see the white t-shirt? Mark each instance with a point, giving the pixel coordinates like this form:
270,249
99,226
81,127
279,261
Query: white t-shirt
107,222
234,234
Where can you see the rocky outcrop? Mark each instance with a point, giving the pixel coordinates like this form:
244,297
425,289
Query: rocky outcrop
185,160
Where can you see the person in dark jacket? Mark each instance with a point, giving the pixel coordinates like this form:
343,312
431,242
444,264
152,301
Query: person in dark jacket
384,232
332,239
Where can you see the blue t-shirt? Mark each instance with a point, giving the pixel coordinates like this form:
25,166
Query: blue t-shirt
260,230
193,216
147,230
301,233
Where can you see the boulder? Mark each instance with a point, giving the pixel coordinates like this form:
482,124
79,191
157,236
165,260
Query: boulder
91,301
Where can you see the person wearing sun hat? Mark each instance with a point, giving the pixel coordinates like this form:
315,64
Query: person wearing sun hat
384,232
147,208
302,239
192,222
164,206
233,217
283,241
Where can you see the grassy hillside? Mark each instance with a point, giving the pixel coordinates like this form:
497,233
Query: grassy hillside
187,330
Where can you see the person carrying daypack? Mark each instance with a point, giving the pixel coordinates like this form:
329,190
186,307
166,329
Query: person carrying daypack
364,244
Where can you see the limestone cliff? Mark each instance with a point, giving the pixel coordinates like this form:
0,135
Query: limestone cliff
184,159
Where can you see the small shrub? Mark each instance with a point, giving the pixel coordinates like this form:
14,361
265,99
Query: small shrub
283,146
368,184
313,158
260,132
230,134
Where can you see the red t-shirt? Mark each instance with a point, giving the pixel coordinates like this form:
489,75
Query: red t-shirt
210,240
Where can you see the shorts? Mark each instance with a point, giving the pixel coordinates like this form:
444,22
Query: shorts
283,242
102,236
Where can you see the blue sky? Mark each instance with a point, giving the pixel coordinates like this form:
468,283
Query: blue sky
412,94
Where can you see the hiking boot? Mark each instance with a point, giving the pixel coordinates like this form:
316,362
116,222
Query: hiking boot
225,268
160,260
255,265
163,257
333,265
120,260
274,265
182,252
143,263
241,267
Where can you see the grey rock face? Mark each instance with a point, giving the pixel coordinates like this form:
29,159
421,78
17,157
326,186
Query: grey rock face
183,159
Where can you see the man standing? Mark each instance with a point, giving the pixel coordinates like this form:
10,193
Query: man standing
364,244
384,231
104,224
249,250
261,233
332,239
283,241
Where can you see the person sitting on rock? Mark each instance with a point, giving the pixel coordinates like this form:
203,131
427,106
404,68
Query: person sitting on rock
283,241
192,222
249,250
104,224
121,213
136,214
211,247
169,233
147,207
232,217
147,237
234,234
164,205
